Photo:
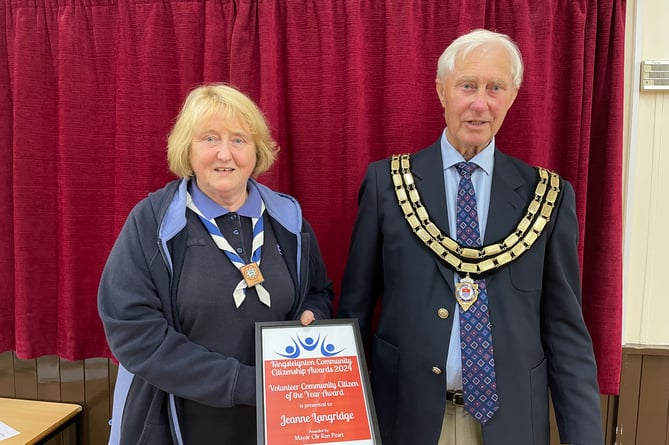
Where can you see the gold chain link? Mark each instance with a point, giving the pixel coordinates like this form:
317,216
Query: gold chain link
474,260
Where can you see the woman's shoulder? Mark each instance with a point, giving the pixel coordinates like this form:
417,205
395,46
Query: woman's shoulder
155,203
283,208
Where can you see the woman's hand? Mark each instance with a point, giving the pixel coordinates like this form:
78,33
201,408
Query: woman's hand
307,317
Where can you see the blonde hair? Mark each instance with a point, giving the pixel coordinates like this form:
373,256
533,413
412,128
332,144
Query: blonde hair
206,101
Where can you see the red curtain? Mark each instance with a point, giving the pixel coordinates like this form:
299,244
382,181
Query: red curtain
90,89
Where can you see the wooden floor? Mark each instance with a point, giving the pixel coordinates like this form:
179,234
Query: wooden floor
640,416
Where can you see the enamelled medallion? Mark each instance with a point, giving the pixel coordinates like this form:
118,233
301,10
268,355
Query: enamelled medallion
466,292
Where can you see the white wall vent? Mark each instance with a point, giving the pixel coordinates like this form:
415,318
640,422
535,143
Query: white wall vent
655,75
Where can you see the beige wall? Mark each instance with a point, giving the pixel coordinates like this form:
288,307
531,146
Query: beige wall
646,180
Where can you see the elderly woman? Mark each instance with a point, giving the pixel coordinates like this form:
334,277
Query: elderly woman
195,266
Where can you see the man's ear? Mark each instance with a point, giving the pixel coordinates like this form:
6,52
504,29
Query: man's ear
440,90
515,94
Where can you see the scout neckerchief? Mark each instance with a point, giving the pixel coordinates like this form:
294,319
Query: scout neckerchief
468,260
251,271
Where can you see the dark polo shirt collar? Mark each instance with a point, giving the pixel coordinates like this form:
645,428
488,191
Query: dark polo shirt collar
212,210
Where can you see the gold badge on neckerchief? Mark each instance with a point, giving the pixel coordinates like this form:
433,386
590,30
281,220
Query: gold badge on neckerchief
250,271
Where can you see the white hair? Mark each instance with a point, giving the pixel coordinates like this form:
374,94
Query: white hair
476,39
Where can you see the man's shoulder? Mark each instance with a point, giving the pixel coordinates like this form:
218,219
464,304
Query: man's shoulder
515,165
502,157
424,153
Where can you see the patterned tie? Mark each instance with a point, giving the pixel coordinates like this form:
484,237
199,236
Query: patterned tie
478,363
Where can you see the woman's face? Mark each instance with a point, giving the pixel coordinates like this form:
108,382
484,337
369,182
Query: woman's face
223,156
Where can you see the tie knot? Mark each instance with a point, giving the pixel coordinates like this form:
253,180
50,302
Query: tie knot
466,168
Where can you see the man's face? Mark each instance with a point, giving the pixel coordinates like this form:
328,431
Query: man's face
476,97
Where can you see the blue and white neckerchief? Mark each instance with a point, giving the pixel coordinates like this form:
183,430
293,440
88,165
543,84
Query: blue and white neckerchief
251,271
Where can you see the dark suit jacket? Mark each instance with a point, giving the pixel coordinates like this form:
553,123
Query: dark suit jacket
539,336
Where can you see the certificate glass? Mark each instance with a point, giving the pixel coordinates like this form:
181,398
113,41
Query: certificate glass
313,386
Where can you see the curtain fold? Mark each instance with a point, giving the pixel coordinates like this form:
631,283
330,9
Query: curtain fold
91,90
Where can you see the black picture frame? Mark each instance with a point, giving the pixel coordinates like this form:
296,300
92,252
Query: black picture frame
311,352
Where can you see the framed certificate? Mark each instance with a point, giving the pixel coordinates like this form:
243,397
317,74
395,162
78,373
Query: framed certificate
313,386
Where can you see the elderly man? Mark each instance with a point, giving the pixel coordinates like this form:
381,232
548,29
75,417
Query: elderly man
473,255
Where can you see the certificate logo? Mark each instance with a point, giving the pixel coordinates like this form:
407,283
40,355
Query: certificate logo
309,344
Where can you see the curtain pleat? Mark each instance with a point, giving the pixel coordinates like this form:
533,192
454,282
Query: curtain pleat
91,89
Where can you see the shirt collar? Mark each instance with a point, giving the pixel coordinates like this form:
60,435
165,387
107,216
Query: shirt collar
450,156
212,210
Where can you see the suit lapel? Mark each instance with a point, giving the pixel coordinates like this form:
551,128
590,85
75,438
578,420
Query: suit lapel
507,204
428,172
